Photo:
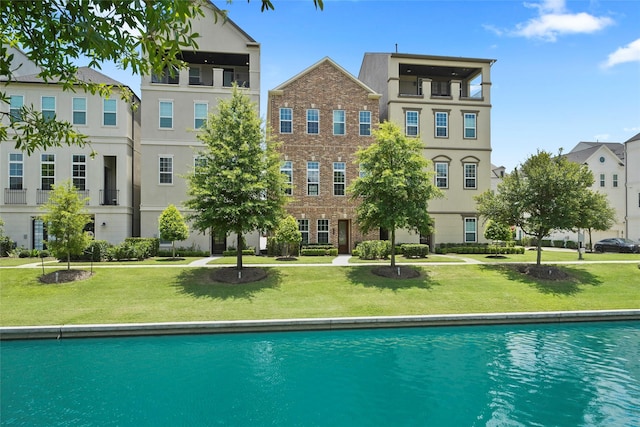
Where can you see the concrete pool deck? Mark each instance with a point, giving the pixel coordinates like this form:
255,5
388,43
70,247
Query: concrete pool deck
309,324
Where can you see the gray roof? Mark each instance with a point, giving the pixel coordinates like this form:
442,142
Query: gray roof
584,150
633,138
85,74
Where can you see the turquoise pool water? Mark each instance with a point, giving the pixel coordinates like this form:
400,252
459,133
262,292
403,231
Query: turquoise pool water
520,375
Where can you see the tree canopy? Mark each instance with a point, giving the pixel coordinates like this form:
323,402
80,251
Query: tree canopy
288,233
396,186
546,193
237,185
595,213
172,227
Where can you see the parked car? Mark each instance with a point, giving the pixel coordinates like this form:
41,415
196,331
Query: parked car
617,245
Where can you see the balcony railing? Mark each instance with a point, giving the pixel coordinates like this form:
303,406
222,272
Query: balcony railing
42,196
15,197
109,197
84,195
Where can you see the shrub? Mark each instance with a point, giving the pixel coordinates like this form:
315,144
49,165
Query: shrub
6,245
183,251
44,254
572,244
24,253
374,249
275,248
234,252
151,245
558,243
415,250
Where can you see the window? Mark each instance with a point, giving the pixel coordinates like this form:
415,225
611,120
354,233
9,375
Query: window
411,123
194,76
442,175
362,171
16,171
79,113
313,122
200,111
79,171
470,125
15,107
323,231
313,178
47,171
615,180
166,114
339,178
365,123
167,77
199,162
602,180
470,230
48,104
166,170
470,175
303,227
286,120
287,170
109,112
442,127
338,122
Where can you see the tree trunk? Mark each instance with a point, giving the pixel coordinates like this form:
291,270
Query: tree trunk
68,260
393,247
173,249
239,252
539,249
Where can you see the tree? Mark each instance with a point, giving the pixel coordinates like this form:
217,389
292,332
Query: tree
237,185
396,187
595,213
288,233
143,36
496,231
173,227
544,194
66,218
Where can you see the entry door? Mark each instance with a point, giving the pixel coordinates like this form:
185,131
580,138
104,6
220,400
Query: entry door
343,236
218,242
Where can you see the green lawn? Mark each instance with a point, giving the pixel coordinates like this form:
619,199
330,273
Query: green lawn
252,259
119,295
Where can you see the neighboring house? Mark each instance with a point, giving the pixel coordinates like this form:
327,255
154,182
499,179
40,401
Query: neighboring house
632,213
497,174
322,116
446,102
110,179
176,105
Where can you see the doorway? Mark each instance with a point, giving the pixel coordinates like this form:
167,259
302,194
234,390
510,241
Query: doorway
343,236
218,242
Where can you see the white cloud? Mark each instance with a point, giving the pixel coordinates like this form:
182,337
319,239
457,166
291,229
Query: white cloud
628,53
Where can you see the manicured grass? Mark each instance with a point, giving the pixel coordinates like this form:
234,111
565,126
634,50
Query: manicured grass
402,260
119,295
253,259
551,255
49,262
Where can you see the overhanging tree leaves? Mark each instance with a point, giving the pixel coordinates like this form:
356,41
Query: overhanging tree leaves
396,187
237,185
172,227
545,194
66,218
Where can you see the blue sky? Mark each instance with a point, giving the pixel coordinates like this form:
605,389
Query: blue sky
566,71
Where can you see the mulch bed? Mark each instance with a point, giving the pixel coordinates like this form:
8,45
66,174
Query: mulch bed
392,272
543,272
230,275
65,276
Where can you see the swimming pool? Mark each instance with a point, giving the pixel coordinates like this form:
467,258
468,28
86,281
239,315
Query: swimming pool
585,374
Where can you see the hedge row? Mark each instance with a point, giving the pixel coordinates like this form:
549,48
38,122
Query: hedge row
316,251
480,249
415,250
234,252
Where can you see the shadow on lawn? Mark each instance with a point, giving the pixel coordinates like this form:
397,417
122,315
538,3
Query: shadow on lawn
364,276
574,284
197,282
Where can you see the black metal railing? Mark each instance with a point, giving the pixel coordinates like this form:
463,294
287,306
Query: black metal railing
109,197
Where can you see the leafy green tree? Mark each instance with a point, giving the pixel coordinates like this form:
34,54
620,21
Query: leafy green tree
288,233
545,194
237,186
66,216
595,214
396,187
173,227
143,36
496,231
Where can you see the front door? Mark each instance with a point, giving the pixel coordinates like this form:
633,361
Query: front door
343,236
218,242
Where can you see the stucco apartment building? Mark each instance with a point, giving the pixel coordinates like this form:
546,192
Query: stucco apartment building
446,102
176,105
322,116
110,179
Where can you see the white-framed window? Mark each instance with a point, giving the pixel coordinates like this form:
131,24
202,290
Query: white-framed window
470,175
166,114
339,178
411,123
79,171
339,122
615,180
109,112
323,231
200,111
47,171
79,111
313,121
303,227
16,102
286,120
602,180
16,171
287,170
442,124
165,168
194,75
470,230
470,125
442,174
48,107
313,178
199,162
365,123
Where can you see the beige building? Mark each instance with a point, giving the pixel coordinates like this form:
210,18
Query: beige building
446,102
110,179
632,212
322,116
176,105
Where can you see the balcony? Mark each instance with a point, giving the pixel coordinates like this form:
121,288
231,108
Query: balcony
213,69
109,197
42,196
15,196
436,82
